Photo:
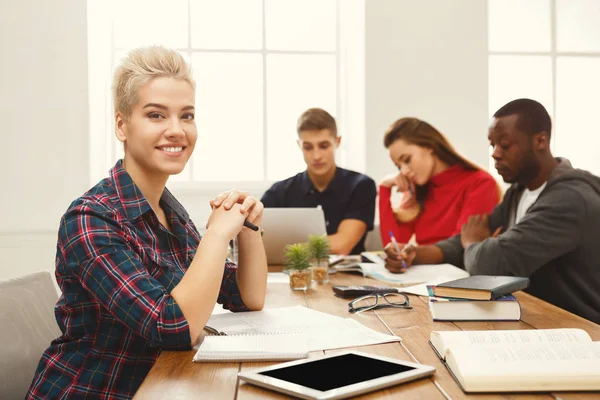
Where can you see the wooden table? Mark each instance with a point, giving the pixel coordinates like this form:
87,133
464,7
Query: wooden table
174,376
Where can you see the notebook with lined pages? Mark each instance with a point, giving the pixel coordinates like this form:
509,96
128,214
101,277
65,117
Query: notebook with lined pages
252,347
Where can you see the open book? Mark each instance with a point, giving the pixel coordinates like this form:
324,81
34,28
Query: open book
414,274
340,259
541,360
365,256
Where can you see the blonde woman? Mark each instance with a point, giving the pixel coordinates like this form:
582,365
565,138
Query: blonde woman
136,277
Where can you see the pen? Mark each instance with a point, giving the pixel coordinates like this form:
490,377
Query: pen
250,225
395,243
213,331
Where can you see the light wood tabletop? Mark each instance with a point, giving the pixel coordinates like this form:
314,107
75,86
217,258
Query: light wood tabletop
175,376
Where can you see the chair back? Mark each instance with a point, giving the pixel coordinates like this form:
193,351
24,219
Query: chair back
27,326
373,240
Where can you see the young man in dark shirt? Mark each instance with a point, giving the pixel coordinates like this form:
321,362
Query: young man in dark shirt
347,197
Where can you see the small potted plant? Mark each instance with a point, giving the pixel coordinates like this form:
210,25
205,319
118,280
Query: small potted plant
319,250
297,265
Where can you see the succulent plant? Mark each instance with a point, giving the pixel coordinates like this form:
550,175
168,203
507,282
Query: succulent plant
319,247
297,256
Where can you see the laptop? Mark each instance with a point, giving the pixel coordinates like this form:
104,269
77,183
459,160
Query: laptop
283,226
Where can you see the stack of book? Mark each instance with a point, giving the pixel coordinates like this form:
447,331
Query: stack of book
477,298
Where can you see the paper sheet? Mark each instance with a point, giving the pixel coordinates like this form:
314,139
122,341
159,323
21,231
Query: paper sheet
277,277
323,331
415,274
421,288
218,309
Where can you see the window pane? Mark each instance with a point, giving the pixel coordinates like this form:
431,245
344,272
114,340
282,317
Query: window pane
575,22
229,116
513,77
294,84
226,24
517,25
148,22
301,25
577,105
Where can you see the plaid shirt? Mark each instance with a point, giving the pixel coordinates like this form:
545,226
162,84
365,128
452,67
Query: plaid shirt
116,266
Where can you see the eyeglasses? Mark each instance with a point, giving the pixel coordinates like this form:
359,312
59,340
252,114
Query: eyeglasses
372,302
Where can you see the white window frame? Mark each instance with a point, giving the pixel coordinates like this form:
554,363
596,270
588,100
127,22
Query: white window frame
554,55
349,87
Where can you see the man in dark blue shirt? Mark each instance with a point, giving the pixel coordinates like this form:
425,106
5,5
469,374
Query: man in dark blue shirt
347,197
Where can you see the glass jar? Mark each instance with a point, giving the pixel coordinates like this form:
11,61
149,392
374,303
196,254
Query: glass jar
300,279
320,270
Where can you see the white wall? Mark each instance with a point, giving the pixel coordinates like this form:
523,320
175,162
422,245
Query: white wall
43,109
423,58
426,59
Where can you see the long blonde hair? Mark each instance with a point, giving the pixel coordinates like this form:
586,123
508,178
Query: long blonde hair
420,133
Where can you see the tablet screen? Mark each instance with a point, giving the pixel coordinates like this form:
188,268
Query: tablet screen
336,372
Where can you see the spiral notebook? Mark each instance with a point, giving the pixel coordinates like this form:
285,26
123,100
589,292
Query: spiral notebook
252,347
322,331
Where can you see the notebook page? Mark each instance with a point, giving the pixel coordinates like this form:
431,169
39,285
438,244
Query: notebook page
323,331
252,347
349,333
270,320
415,274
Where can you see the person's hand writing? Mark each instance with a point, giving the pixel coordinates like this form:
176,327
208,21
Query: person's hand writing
397,262
476,230
249,204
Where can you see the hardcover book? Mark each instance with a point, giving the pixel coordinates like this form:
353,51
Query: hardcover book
481,287
505,308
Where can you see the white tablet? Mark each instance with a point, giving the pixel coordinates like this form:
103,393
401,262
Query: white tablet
337,376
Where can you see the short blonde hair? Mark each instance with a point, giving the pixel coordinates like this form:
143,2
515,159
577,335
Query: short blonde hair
141,66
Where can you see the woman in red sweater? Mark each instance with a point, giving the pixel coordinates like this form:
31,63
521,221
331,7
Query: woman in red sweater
440,188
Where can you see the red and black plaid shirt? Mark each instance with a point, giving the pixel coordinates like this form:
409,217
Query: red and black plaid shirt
116,266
